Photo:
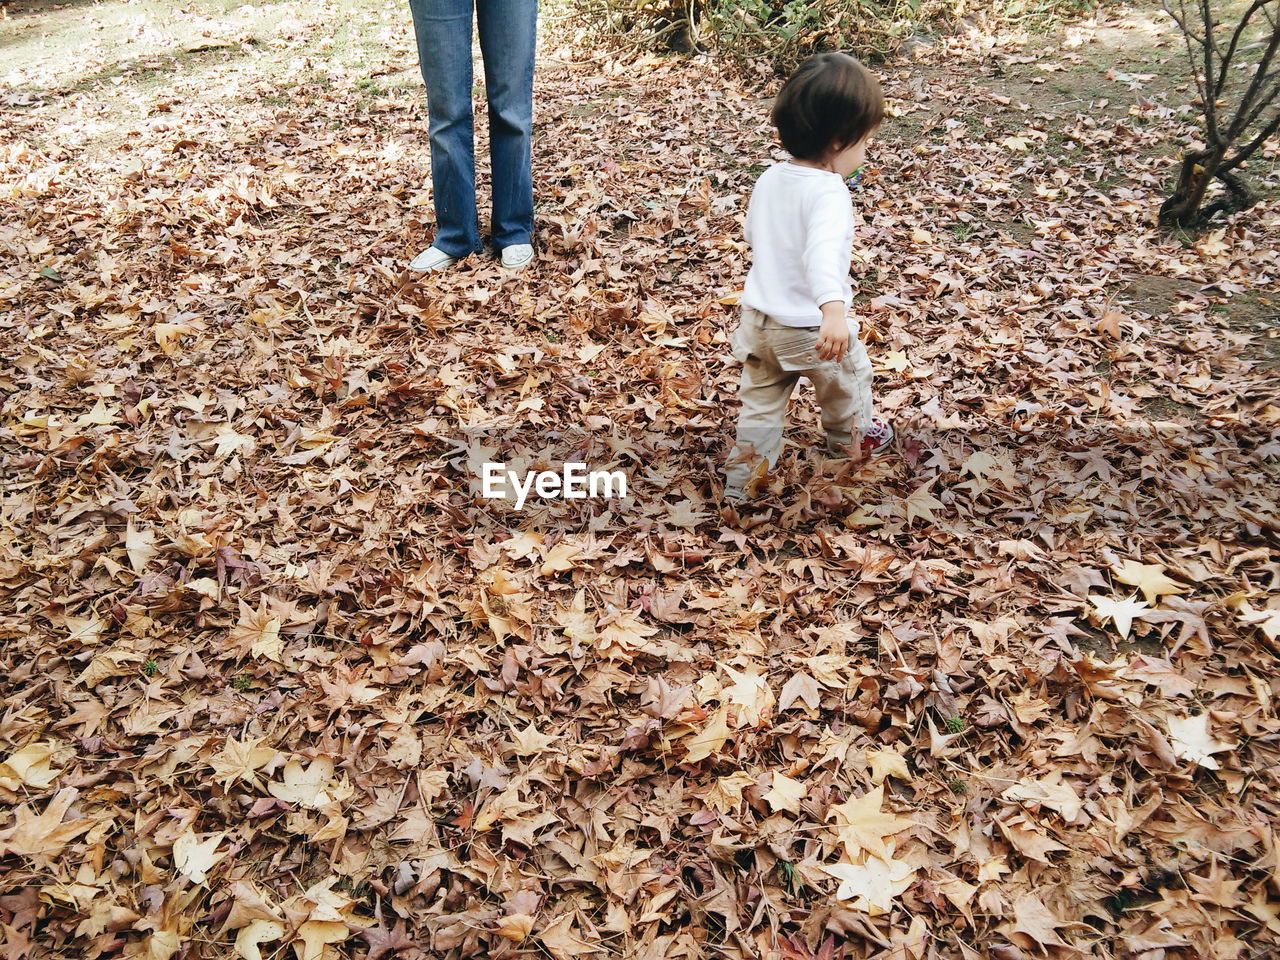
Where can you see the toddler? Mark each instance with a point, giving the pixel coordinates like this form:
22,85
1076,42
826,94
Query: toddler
795,307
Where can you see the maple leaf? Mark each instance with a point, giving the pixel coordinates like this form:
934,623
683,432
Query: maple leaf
1149,578
258,632
1050,791
800,688
140,546
43,834
1029,839
194,859
896,361
314,935
562,941
626,635
872,884
529,742
1120,612
239,760
383,942
1268,620
30,767
255,933
85,630
161,945
886,762
1191,739
515,927
785,794
751,692
305,786
1034,919
561,557
861,826
921,504
710,739
685,514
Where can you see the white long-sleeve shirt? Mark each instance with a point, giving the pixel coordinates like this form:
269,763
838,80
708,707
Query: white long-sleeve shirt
800,228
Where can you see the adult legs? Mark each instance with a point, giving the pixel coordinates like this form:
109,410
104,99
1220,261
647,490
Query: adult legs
508,37
443,28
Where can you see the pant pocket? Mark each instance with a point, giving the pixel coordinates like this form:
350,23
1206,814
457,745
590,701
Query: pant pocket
796,349
745,341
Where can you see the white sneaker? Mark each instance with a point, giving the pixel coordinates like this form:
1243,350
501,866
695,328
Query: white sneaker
517,255
432,259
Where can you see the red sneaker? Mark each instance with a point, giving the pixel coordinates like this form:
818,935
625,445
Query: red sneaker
878,438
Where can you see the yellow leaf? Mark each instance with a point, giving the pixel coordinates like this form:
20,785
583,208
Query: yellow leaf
239,760
921,504
193,859
562,941
314,935
1149,578
254,933
140,546
1120,612
259,631
1211,244
560,558
529,741
684,514
515,927
86,631
307,786
1191,739
169,336
785,794
99,416
710,739
873,883
162,945
895,360
1050,791
921,236
887,763
751,692
862,826
30,767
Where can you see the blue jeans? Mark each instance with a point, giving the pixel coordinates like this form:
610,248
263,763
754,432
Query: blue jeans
508,34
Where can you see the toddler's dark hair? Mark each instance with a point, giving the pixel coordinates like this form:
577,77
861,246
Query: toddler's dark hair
831,100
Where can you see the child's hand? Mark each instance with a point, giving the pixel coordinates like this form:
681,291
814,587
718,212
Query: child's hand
833,337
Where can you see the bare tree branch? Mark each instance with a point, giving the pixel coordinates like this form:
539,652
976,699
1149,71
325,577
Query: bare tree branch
1238,123
1188,35
1246,152
1210,47
1261,104
1235,39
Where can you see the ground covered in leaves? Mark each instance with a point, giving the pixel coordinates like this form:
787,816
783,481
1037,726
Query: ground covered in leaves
278,683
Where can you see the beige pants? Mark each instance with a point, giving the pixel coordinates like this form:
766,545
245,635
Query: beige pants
774,358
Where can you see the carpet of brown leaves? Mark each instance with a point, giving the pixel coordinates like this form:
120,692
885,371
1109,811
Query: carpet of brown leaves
276,683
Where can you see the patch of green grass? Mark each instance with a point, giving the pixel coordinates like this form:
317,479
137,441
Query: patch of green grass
151,668
790,876
955,724
961,230
243,682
